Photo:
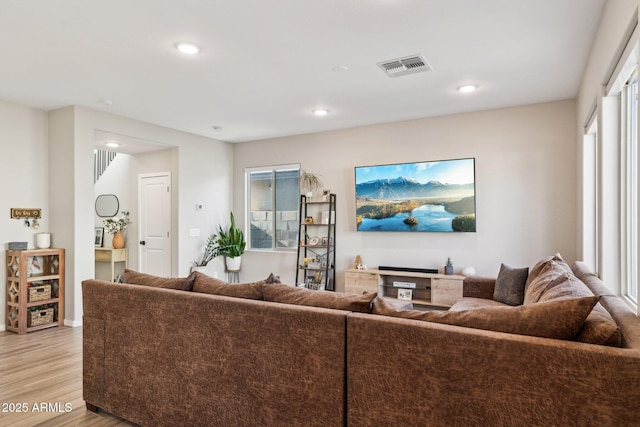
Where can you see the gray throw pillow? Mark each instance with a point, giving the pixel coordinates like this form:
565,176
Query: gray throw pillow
510,283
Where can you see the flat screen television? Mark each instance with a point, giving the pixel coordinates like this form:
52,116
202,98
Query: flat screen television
422,196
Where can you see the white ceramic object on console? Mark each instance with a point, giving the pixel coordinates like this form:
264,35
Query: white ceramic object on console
468,271
43,240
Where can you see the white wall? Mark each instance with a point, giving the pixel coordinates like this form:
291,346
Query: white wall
202,172
525,187
23,173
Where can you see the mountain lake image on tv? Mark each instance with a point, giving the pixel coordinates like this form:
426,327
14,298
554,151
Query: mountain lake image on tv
426,196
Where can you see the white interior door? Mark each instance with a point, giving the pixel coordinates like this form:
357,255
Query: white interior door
154,255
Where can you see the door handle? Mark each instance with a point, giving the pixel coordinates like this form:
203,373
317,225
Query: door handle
142,242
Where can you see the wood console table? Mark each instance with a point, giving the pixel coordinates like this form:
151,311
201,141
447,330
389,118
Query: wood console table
427,289
112,256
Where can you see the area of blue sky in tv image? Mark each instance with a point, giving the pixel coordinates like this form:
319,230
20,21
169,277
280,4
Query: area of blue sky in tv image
459,171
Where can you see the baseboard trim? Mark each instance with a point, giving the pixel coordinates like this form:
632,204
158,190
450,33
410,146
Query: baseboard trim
72,323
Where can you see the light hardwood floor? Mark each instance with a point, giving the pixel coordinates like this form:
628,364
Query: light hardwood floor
41,376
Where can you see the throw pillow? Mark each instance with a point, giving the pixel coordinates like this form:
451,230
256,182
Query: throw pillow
299,296
272,279
554,319
180,283
554,282
540,265
510,283
209,285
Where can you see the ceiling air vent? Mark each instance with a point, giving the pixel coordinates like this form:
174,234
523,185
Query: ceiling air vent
402,66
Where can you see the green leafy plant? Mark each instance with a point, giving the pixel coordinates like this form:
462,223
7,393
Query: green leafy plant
114,225
211,251
231,242
310,182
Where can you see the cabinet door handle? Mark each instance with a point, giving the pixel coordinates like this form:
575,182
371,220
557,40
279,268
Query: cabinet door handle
142,242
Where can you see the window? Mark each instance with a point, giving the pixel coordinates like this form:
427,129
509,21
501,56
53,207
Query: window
629,186
615,178
273,204
590,195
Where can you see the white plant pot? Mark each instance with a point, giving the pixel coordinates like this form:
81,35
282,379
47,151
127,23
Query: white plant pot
199,268
233,264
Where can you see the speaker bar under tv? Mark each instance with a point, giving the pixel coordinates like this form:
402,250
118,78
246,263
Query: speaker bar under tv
409,269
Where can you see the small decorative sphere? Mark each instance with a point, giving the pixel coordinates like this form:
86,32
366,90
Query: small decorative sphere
468,271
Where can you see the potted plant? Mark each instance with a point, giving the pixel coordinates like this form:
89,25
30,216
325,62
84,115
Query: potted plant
448,268
211,250
231,245
115,226
310,183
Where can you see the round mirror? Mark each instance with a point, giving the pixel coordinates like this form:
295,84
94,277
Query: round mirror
107,205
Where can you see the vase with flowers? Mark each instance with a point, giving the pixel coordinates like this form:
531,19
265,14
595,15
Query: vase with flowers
116,226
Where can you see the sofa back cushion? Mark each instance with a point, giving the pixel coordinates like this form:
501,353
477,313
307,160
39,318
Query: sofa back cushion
600,328
209,285
561,319
540,265
554,280
360,303
180,283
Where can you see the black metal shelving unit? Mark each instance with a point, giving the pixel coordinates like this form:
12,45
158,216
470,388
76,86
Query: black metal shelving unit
317,244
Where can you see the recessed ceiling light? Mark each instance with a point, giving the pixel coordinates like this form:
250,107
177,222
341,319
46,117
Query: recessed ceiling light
187,48
467,88
112,144
340,69
320,112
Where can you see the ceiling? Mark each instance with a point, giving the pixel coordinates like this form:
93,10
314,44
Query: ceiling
264,65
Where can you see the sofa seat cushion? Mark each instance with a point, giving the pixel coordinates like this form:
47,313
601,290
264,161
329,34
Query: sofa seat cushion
209,285
180,283
509,287
360,303
561,319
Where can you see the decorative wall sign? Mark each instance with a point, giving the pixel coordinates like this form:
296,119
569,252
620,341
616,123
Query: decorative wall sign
26,213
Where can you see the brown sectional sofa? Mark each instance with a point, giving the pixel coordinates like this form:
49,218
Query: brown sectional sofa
165,357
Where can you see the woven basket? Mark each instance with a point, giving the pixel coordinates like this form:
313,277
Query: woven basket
39,293
41,317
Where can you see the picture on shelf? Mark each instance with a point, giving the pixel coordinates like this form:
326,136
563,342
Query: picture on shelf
405,294
421,196
35,265
99,237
